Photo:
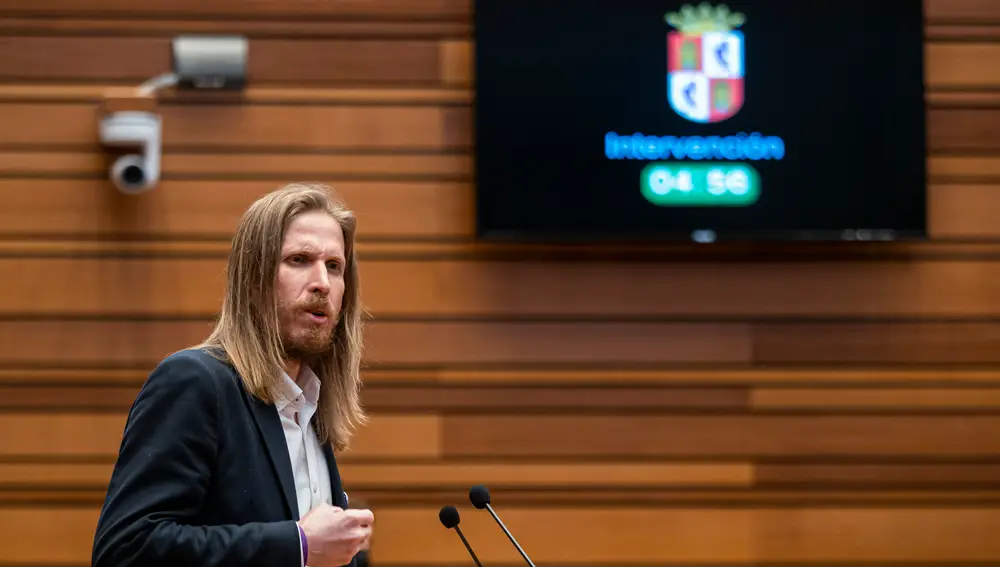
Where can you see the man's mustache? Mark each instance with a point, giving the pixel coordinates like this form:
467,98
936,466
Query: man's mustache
319,303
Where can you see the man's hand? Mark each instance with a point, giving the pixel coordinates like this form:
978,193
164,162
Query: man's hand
334,535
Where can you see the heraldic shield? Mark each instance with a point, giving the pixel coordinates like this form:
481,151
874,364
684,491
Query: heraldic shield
705,63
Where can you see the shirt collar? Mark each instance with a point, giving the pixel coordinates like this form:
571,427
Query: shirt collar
294,395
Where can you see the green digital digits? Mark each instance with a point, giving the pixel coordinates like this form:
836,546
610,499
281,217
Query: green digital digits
686,184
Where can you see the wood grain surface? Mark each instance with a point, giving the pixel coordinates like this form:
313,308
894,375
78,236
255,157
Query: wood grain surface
792,406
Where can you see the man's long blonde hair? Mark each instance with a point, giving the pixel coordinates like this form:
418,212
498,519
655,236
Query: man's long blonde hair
247,333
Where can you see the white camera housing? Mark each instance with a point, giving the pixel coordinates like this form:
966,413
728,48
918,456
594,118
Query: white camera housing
135,172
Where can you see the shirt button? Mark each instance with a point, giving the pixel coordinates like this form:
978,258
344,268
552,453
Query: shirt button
315,489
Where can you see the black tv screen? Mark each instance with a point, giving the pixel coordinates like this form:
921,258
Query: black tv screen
661,120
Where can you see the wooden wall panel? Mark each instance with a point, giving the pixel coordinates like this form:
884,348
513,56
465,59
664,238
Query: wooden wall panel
469,288
130,343
134,59
192,209
345,9
105,60
815,406
721,436
358,127
573,536
417,197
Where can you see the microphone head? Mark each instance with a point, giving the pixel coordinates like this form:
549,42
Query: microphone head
449,516
479,495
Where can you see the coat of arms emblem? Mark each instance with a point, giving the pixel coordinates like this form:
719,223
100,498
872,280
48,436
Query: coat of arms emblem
705,63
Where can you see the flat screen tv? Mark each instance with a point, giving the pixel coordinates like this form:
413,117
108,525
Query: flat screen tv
654,120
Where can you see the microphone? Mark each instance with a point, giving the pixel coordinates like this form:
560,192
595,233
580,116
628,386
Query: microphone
479,495
449,518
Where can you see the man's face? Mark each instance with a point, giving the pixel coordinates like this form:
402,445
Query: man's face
310,284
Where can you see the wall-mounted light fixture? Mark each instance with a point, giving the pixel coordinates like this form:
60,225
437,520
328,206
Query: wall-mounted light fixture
199,63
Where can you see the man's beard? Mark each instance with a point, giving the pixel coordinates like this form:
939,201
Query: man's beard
308,341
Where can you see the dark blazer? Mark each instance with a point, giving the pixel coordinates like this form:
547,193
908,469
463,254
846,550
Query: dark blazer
203,476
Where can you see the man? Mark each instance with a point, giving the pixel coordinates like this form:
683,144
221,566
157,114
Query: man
227,454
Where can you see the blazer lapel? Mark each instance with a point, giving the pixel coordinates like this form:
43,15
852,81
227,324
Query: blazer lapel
336,486
274,438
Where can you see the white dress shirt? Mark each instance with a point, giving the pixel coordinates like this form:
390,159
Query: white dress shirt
309,469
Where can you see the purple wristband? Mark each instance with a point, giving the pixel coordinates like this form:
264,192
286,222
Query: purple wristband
305,546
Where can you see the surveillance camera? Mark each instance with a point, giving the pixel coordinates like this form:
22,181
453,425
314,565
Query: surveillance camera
133,173
210,62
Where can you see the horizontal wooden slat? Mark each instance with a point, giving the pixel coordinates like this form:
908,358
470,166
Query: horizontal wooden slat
405,248
945,32
967,65
415,197
98,59
108,343
700,536
904,399
271,127
253,29
399,436
597,498
552,475
427,398
958,169
785,377
950,170
453,92
141,343
727,380
964,211
611,397
972,11
30,475
194,287
400,476
367,29
384,9
708,436
553,399
456,64
84,93
412,536
273,166
965,11
88,398
901,343
506,478
67,435
212,209
976,10
963,130
580,436
97,435
255,127
954,475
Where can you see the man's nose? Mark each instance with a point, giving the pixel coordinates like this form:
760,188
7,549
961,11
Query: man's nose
320,280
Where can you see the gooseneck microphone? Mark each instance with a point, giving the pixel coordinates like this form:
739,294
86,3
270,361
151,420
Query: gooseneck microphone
479,495
450,519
